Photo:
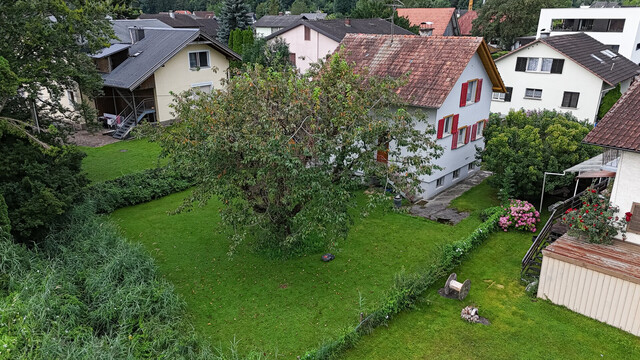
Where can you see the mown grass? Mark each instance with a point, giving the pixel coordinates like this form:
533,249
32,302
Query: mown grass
273,305
111,161
521,327
478,197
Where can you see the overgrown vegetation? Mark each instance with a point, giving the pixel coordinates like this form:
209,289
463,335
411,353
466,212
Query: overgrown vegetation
38,184
608,100
524,144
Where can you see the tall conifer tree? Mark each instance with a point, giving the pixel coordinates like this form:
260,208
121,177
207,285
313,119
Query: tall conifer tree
233,16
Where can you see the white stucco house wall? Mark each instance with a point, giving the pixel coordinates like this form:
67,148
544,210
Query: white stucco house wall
569,73
455,95
313,40
620,130
618,28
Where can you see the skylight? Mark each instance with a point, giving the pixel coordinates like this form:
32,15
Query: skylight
609,53
597,58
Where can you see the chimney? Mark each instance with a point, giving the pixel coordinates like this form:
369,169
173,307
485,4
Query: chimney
172,14
280,13
347,22
426,28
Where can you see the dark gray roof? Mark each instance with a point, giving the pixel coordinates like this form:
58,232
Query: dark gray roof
279,21
591,54
158,46
121,28
337,29
110,50
604,4
181,21
315,15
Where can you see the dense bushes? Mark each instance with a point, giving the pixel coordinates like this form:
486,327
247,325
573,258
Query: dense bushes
407,289
88,293
136,188
520,215
38,185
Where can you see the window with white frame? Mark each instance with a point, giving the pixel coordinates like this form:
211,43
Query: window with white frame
498,96
72,97
456,174
448,121
479,129
472,87
471,166
440,182
201,88
539,64
199,59
462,133
533,93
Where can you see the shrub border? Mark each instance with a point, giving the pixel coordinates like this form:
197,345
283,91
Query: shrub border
407,289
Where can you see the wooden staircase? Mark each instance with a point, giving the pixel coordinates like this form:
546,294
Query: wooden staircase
552,230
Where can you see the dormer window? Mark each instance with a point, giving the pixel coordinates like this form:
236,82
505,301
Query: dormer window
198,60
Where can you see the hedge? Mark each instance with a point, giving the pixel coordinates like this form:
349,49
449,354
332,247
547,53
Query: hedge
407,289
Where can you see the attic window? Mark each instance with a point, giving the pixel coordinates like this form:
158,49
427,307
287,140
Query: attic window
198,60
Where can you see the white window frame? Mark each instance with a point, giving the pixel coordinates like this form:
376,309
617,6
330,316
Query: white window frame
440,182
471,167
462,136
479,129
456,174
448,123
199,85
534,97
498,96
472,89
198,67
539,65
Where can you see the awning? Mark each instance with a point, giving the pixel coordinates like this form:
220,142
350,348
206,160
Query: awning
596,174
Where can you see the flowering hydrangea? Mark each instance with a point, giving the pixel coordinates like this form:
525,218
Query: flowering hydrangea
595,220
520,215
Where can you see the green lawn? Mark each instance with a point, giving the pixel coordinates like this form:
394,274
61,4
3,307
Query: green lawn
522,327
272,305
111,161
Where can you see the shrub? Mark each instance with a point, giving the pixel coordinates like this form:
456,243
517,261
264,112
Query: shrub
520,215
136,188
595,220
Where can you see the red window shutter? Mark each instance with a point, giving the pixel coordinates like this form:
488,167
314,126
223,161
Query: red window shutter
454,140
440,128
478,90
467,135
474,130
292,59
382,156
463,95
454,126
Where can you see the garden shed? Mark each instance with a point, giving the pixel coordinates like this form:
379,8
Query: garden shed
599,281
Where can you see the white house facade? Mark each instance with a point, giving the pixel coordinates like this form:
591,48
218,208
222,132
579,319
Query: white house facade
455,95
618,28
568,73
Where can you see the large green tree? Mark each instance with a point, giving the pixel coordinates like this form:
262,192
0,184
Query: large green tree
45,45
523,145
269,7
372,9
233,16
504,20
284,151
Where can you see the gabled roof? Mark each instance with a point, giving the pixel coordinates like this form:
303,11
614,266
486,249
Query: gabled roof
620,128
591,55
440,17
315,15
279,21
182,21
434,63
121,28
465,22
337,29
155,49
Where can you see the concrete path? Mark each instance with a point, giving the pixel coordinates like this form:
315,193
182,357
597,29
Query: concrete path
437,209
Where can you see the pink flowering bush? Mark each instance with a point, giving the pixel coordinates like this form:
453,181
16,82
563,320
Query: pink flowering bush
520,215
595,221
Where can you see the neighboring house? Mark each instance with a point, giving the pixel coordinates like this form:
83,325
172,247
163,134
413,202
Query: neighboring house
270,24
208,26
465,22
618,28
147,65
450,80
443,21
568,73
312,40
620,130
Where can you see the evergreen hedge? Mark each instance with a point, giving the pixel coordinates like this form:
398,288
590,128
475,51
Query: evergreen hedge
407,289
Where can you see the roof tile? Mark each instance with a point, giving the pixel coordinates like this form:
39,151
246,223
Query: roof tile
440,17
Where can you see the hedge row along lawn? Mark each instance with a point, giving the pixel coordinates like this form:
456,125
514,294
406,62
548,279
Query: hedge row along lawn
123,157
521,327
275,306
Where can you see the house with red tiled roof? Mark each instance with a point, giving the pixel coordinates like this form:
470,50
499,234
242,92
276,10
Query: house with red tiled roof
620,130
465,22
450,79
443,21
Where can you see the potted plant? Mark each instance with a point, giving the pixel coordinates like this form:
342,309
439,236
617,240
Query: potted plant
595,221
